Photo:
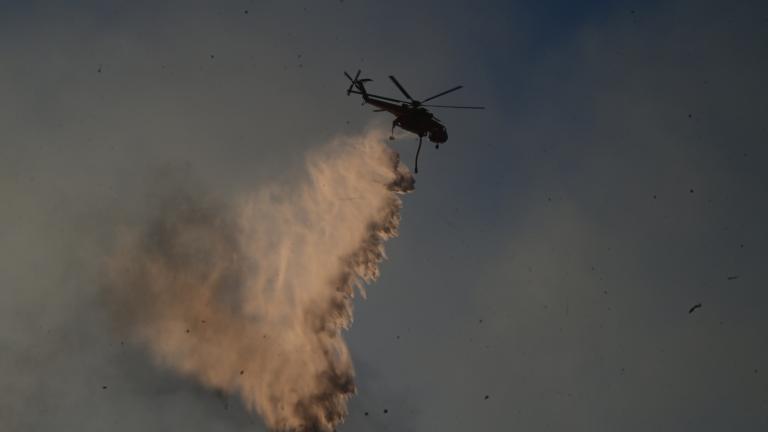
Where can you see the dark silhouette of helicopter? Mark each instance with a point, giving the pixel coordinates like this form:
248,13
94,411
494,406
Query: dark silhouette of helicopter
409,115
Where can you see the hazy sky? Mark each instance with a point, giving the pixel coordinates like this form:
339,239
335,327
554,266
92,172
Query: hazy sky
547,259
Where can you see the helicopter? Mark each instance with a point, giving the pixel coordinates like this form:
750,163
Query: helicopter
410,115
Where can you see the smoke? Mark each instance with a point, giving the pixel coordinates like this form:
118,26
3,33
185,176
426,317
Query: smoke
251,297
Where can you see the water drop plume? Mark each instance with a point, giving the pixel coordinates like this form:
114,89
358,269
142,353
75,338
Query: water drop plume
251,297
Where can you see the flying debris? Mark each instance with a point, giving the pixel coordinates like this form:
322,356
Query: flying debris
694,307
409,115
730,278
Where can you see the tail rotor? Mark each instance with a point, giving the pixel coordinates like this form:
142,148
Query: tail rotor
356,84
353,81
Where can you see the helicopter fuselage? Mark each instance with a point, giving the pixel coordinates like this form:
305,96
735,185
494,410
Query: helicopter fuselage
413,119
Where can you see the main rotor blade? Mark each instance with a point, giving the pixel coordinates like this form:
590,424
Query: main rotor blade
443,93
387,98
348,76
380,97
394,80
454,106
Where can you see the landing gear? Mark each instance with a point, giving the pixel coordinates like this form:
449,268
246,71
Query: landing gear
392,134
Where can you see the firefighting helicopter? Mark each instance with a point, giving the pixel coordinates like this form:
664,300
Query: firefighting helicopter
409,115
